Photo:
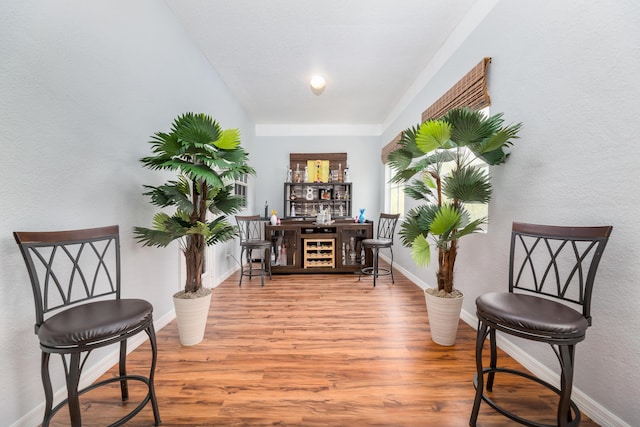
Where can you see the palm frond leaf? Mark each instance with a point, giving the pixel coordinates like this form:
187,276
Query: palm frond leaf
170,194
432,135
225,202
229,139
421,251
221,231
419,190
446,220
470,184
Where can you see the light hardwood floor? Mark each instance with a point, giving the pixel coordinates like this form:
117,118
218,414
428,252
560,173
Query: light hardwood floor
316,350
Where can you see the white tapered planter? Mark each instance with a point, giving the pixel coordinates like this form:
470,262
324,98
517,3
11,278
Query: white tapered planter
444,314
191,316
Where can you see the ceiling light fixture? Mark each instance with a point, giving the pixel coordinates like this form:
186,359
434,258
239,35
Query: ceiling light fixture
317,83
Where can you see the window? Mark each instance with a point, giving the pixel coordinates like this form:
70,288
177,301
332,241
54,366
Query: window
470,91
240,187
394,194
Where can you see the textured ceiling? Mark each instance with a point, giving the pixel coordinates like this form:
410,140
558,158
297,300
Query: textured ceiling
371,52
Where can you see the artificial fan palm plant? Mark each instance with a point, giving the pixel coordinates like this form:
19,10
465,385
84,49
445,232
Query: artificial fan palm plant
439,162
207,158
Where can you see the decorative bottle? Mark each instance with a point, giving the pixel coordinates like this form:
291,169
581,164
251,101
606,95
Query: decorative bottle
361,218
352,256
352,250
296,176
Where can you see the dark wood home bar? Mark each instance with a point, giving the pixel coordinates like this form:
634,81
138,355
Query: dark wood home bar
307,241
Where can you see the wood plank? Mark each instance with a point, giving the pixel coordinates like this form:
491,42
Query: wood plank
316,350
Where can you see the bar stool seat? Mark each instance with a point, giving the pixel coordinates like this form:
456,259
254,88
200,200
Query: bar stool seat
250,232
384,240
73,273
94,322
549,266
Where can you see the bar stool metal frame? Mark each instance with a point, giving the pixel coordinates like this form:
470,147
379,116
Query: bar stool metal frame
250,232
553,269
75,277
384,239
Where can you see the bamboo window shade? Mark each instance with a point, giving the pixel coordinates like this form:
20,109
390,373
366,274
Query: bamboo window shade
470,91
390,147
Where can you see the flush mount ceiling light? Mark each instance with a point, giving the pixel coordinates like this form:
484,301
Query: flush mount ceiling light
317,83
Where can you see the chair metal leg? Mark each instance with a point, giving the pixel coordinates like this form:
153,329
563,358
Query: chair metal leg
568,413
493,362
73,380
124,387
250,261
48,392
268,255
241,266
375,266
566,357
154,358
479,377
391,266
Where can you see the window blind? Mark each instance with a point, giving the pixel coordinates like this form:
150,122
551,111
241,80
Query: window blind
389,148
470,91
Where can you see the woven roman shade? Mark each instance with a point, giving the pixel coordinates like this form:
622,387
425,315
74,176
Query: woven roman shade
389,148
470,91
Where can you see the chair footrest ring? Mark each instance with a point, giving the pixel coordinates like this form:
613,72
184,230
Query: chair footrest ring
370,271
254,272
93,386
576,412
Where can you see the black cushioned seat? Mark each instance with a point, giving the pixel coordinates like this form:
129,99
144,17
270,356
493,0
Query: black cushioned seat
551,270
532,315
95,322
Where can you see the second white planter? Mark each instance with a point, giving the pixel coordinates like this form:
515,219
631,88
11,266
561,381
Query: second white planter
191,316
444,314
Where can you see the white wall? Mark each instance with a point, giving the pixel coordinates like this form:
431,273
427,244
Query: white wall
569,73
83,85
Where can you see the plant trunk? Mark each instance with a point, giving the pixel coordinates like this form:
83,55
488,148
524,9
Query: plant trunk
194,253
446,262
194,258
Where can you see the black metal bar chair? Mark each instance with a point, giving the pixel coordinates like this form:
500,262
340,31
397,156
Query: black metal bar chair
551,275
251,239
384,239
75,276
